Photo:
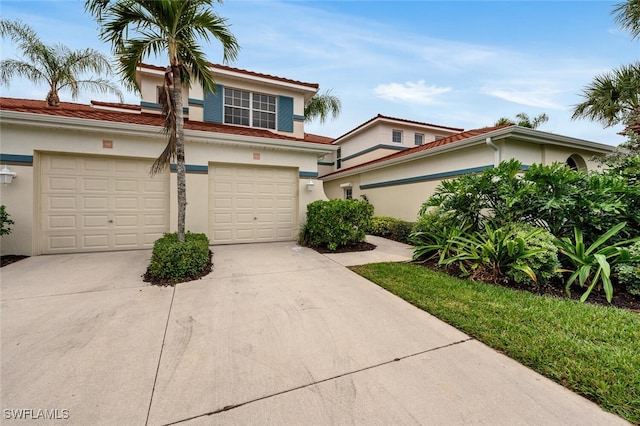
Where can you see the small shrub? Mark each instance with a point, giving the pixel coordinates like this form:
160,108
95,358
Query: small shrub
5,221
433,232
629,273
544,262
173,262
336,223
391,228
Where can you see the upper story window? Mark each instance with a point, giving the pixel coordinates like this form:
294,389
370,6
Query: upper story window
396,136
419,139
339,158
249,109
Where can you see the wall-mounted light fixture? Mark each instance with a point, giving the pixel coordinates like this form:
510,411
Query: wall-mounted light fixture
6,176
310,185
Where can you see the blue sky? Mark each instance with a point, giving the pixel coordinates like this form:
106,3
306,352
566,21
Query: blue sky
453,63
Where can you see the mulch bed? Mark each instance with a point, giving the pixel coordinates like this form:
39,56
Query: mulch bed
10,258
364,246
621,299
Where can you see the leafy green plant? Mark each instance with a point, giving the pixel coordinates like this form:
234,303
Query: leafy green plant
5,221
629,273
544,262
336,223
432,234
592,264
173,261
488,254
391,228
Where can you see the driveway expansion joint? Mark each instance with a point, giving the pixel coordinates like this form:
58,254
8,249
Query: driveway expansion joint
328,379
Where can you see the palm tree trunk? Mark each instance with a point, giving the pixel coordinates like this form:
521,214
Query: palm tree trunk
181,170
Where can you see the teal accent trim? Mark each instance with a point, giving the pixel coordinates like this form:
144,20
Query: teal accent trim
425,178
190,168
18,160
214,105
373,148
326,163
298,117
195,102
308,174
285,114
154,105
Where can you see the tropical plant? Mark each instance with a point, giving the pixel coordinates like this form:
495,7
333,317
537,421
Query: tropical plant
138,29
627,15
55,65
5,221
488,254
523,120
611,96
592,265
431,235
544,262
173,262
391,228
629,273
320,106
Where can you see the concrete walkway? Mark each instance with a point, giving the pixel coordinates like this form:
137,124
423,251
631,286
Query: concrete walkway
276,335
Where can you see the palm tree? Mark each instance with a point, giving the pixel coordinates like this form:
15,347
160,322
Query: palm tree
56,65
321,106
141,28
627,15
611,96
523,120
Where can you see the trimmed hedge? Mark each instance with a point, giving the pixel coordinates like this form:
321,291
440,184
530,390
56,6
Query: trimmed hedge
336,223
173,262
391,228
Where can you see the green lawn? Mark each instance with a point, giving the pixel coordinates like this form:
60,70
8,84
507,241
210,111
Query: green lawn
592,350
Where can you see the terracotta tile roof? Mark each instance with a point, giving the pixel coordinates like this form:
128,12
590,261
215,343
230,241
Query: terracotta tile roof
310,137
402,120
116,105
425,147
74,110
247,72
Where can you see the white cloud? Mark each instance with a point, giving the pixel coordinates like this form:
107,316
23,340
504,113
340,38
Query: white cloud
418,93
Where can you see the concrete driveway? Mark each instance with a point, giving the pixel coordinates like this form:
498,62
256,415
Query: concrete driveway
277,334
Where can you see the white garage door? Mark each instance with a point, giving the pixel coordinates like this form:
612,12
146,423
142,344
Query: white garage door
252,204
100,204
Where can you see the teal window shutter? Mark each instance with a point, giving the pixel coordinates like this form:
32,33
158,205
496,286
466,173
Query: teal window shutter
285,114
214,105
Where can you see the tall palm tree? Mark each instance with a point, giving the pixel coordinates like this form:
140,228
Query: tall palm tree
611,96
321,106
138,29
523,120
627,15
56,65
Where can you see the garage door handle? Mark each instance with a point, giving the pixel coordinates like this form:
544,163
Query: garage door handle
110,221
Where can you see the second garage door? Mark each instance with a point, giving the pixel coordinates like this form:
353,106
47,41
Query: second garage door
252,204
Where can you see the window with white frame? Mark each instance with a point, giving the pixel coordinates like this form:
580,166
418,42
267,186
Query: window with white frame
348,193
249,109
419,139
396,136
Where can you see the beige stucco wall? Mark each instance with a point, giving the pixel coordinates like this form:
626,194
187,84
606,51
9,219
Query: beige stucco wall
21,196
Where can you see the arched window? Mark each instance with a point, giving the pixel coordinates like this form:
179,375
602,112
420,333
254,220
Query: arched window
576,162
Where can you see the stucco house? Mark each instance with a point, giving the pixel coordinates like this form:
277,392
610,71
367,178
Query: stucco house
398,183
83,180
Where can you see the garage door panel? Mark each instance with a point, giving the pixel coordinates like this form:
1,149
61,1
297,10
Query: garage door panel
114,205
245,203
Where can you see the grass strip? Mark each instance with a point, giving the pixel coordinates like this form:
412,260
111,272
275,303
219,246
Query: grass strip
592,350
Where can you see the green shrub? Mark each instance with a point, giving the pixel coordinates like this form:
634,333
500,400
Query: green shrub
629,273
5,222
433,232
173,262
488,254
391,228
544,262
336,223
